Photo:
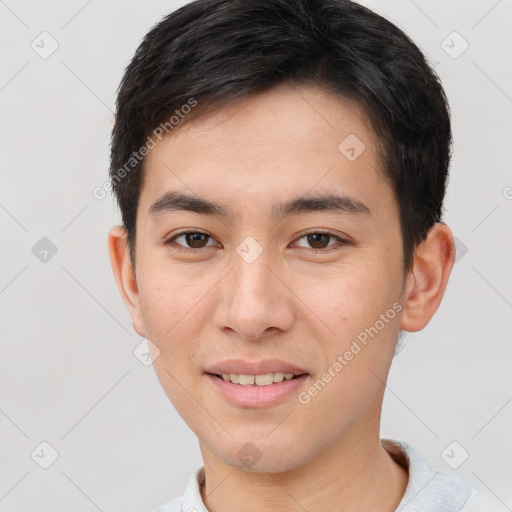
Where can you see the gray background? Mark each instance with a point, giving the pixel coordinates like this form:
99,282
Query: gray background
68,375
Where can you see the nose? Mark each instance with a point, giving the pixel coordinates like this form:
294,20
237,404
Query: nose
255,300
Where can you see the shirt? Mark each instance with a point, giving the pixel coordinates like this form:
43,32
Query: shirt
428,490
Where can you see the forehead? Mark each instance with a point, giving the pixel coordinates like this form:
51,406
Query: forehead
267,146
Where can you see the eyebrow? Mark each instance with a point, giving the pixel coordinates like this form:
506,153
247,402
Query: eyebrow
175,201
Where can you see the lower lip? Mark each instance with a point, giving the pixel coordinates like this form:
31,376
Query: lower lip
257,396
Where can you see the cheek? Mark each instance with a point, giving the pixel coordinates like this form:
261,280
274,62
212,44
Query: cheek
173,319
360,305
168,299
176,310
350,298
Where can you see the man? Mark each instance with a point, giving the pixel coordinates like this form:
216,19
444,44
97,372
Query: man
280,167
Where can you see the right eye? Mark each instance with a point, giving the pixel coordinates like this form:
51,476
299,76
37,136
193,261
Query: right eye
193,241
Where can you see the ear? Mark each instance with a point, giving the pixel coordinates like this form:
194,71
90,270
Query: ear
124,273
427,280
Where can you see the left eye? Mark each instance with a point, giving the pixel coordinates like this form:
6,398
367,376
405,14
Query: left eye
320,240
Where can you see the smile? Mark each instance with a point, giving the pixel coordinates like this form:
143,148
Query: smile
255,391
256,380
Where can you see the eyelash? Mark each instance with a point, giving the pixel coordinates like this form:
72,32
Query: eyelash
340,240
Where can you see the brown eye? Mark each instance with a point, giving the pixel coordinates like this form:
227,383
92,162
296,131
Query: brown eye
191,240
196,240
318,240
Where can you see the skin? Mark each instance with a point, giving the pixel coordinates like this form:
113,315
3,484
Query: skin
291,303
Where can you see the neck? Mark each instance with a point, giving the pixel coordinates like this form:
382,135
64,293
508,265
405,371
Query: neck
355,475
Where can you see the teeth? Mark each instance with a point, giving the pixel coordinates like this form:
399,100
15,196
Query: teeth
264,380
245,380
258,380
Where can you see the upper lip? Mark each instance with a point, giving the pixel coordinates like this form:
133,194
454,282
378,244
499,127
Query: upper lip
245,367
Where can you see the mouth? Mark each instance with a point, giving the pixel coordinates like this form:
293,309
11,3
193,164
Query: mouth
256,383
265,379
251,390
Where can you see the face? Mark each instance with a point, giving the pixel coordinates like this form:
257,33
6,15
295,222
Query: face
269,243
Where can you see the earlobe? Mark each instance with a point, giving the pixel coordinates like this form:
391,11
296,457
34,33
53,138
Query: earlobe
427,280
124,274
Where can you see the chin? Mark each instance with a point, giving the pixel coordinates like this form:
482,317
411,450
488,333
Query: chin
269,464
261,456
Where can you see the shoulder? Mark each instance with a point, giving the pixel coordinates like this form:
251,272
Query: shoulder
431,490
191,500
479,503
171,506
